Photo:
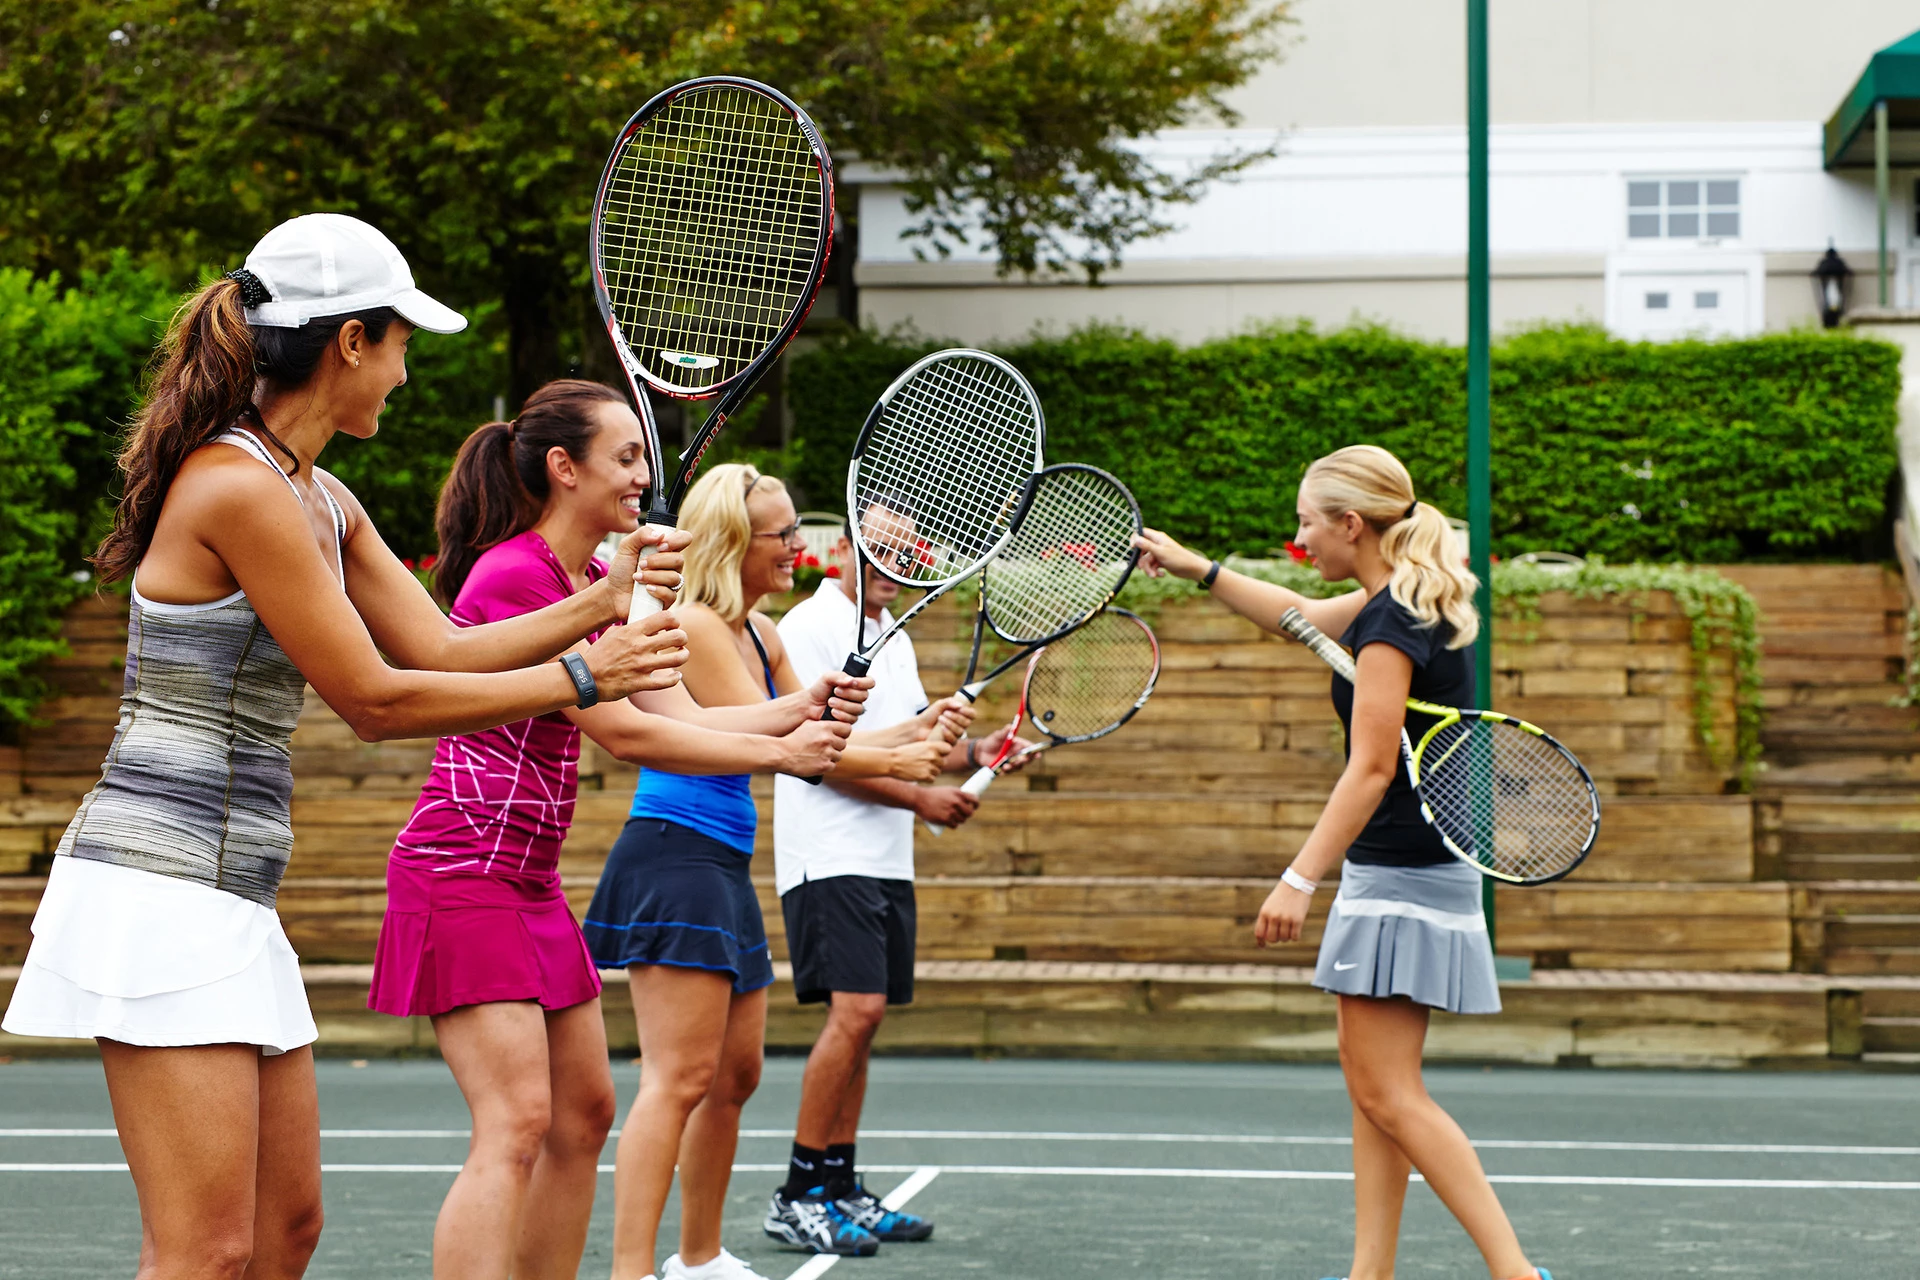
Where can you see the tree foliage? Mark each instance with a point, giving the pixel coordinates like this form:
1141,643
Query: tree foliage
473,131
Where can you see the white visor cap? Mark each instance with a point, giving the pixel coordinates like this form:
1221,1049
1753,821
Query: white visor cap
328,264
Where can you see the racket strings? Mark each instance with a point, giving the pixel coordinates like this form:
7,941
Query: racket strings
710,228
1512,800
1071,552
950,455
1090,681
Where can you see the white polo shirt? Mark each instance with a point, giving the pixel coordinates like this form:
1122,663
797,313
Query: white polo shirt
819,832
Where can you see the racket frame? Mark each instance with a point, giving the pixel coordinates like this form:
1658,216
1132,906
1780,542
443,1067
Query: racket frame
1295,624
668,493
982,778
971,688
860,659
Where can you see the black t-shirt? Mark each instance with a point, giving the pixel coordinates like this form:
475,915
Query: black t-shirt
1396,835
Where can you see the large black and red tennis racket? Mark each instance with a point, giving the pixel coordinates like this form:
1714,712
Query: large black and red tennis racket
711,230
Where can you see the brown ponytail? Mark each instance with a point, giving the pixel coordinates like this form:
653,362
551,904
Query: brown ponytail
209,363
498,486
203,384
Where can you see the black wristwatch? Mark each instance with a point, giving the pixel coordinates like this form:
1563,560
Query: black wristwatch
582,677
1213,571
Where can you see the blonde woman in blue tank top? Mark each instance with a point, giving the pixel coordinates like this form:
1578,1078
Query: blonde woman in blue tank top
675,906
254,574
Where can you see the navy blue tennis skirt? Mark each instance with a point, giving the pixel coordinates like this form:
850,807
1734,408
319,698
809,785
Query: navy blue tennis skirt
672,896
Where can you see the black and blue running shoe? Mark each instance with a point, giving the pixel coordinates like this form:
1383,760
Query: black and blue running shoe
864,1209
818,1225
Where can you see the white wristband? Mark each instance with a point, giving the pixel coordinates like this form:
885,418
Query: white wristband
1295,880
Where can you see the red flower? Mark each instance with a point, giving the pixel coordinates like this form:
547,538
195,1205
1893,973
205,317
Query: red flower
1299,554
429,561
408,563
809,561
833,571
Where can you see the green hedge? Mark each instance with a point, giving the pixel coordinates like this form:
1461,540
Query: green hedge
71,361
70,358
1777,447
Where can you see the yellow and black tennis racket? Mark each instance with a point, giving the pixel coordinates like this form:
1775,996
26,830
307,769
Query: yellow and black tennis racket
1505,796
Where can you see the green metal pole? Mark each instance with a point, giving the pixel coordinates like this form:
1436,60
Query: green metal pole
1479,365
1881,186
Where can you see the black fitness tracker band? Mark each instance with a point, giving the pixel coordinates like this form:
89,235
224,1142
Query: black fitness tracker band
1213,571
582,677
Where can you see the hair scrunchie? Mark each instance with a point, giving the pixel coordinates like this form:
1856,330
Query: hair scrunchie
1411,508
253,290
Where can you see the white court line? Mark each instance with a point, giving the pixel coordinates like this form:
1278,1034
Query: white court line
1198,1139
894,1199
1107,1171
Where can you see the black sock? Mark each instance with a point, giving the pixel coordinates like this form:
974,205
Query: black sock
804,1171
842,1177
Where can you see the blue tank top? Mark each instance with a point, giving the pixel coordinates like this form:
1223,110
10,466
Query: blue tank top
719,806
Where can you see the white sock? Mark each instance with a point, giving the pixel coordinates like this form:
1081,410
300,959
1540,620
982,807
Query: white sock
714,1266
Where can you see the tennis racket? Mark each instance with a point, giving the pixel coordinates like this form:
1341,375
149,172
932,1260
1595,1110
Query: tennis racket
710,235
1083,686
1069,556
939,480
1506,798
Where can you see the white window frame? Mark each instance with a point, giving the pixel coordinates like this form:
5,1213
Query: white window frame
1633,243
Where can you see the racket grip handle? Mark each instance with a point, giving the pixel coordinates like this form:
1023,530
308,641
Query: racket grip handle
1295,624
857,665
974,786
642,603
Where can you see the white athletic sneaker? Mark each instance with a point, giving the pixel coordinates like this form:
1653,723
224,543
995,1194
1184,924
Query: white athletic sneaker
724,1267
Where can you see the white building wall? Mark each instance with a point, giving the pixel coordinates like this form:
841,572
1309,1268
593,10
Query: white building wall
1362,214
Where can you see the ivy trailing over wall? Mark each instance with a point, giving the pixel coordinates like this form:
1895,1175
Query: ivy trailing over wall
1723,624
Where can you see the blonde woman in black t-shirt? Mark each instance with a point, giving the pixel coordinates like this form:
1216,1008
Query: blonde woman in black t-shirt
1406,934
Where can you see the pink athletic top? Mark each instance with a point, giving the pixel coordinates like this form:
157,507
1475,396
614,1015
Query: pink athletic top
498,802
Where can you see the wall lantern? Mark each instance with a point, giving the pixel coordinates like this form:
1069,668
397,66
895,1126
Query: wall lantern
1832,285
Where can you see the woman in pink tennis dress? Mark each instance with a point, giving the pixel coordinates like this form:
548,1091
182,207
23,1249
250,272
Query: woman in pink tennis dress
477,934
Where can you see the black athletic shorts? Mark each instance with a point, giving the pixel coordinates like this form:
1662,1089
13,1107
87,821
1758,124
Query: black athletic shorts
853,934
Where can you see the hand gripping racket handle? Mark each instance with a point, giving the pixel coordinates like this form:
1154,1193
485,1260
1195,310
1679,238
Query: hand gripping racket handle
643,603
857,665
1315,639
975,786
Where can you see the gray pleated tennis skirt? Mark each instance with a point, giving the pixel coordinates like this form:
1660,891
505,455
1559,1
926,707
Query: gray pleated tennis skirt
1410,931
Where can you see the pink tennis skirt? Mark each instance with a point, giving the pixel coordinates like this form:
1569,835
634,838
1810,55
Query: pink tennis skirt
450,940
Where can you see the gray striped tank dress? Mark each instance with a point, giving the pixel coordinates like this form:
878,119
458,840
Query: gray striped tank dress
157,926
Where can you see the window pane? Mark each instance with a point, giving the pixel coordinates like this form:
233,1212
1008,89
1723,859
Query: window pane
1643,226
1706,300
1727,192
1643,195
1683,194
1656,302
1723,224
1683,225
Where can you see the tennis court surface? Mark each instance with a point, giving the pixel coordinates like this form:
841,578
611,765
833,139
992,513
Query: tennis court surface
1087,1170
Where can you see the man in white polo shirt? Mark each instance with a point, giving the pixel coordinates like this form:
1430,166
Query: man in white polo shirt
843,863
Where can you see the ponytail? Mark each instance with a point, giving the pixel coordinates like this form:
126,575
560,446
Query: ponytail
498,486
204,383
209,363
1416,542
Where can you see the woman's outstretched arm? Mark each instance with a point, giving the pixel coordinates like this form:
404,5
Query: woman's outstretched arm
1261,603
410,629
257,528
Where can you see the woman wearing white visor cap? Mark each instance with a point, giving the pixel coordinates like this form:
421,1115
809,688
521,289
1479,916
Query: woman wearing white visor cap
254,574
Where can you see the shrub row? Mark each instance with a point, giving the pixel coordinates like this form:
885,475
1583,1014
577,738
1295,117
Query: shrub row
1777,447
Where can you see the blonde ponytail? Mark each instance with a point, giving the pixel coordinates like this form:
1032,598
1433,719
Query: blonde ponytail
1416,541
715,513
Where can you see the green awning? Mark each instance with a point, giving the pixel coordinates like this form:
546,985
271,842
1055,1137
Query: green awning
1893,77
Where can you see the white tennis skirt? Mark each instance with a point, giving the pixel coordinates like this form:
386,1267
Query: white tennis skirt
146,959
